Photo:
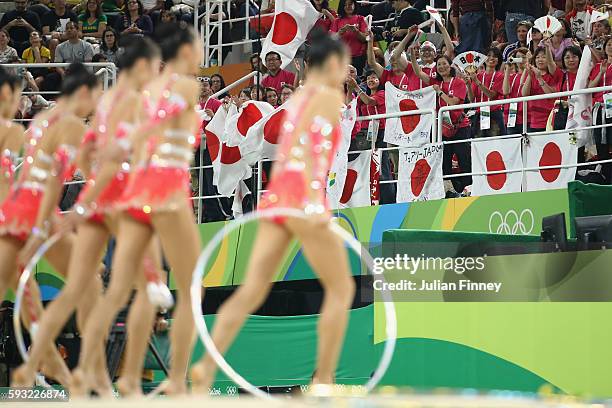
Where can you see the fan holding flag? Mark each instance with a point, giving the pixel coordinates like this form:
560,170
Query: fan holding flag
310,136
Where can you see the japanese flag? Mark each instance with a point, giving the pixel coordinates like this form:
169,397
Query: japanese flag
264,136
550,150
228,166
293,20
420,174
241,192
356,191
410,130
580,106
496,155
338,170
434,13
239,121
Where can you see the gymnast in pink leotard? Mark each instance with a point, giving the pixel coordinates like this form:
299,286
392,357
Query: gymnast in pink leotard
310,136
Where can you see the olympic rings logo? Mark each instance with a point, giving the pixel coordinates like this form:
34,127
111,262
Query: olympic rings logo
512,222
231,390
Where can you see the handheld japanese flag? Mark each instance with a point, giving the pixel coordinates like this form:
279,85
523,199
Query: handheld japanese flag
548,25
434,13
264,136
420,174
493,156
239,121
469,62
293,20
409,130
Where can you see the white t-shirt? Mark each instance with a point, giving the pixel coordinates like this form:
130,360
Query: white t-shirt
580,23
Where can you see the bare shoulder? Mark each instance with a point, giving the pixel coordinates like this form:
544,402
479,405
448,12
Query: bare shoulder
70,130
326,103
14,137
188,88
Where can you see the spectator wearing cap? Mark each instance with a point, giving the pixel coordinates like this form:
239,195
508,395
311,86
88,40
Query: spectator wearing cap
472,20
406,16
19,23
352,28
276,76
579,18
517,11
427,61
401,74
372,102
522,29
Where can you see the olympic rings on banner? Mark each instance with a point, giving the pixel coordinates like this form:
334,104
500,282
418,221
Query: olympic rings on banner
512,222
23,280
196,298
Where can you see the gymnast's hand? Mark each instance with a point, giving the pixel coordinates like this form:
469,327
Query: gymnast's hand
70,222
31,246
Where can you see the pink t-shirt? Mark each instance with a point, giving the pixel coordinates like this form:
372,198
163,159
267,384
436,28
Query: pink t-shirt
493,82
516,87
367,110
540,110
605,80
357,47
455,88
277,81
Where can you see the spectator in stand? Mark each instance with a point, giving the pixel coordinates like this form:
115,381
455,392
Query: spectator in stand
543,77
93,22
569,62
600,31
328,16
7,53
272,97
36,53
484,87
536,39
579,18
514,77
244,96
522,28
276,76
560,41
517,11
372,102
400,74
557,8
601,75
286,93
19,23
405,17
134,21
258,93
472,19
382,10
352,29
167,16
109,47
217,83
451,90
351,88
256,64
113,6
54,22
73,50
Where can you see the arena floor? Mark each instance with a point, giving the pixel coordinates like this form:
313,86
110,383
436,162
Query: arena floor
425,401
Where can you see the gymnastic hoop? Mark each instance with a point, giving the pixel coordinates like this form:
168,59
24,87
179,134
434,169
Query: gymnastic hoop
200,323
23,280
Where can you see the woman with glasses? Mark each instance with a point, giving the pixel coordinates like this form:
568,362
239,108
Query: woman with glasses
109,46
92,22
134,21
217,83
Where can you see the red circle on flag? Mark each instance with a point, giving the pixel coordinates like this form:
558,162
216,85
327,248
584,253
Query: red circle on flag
469,58
285,29
249,116
212,142
495,162
409,123
272,127
349,185
230,155
419,176
551,156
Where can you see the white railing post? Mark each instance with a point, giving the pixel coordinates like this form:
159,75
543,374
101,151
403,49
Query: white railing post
208,32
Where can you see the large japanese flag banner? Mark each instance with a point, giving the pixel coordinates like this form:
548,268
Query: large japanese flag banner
337,172
264,136
375,177
293,20
240,120
550,150
412,130
580,112
420,173
228,167
356,191
496,155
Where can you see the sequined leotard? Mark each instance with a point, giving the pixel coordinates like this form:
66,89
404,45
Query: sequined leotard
303,160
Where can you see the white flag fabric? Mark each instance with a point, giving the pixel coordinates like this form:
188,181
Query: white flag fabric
356,191
228,166
580,107
413,130
420,173
293,20
239,121
337,172
496,155
550,150
263,137
241,192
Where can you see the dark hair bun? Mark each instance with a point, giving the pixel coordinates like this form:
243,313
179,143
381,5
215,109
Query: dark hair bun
322,46
77,75
171,36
